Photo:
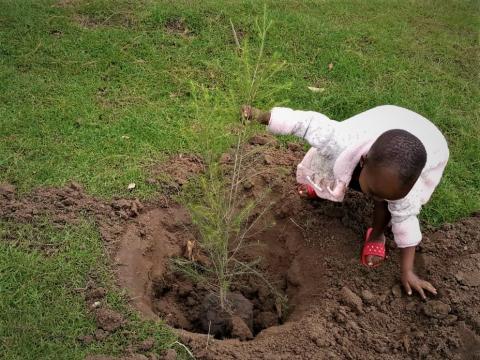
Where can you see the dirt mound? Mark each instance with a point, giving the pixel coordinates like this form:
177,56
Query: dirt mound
146,247
171,175
236,321
67,206
309,251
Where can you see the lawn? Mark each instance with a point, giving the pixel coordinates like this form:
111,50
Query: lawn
100,91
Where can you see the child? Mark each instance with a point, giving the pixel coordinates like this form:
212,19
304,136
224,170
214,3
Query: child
391,154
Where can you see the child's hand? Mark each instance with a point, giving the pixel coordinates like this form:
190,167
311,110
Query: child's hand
247,112
250,113
411,281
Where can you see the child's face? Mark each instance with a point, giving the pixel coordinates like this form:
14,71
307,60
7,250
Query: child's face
381,183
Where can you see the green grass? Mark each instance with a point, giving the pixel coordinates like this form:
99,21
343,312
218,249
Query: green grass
41,312
99,91
75,80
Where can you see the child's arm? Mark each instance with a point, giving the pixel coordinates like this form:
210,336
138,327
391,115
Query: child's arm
317,129
409,279
407,233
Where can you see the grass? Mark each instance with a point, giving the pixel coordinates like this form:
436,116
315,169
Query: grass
41,312
99,91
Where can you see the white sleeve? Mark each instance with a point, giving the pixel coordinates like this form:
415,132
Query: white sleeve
314,127
405,224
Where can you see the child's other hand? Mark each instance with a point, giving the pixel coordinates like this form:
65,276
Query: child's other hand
411,281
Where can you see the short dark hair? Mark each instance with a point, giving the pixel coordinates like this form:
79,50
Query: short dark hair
402,150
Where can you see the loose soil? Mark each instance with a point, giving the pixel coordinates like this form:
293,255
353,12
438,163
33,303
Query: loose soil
307,250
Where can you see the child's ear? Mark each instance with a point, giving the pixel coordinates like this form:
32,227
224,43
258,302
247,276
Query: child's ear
363,158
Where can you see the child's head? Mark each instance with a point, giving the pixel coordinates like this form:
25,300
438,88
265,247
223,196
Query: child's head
393,165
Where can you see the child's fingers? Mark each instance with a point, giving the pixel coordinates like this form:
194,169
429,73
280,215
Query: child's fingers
246,111
421,292
369,260
427,286
373,260
407,287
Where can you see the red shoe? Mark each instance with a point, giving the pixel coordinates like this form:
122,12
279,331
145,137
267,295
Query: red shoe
307,191
372,248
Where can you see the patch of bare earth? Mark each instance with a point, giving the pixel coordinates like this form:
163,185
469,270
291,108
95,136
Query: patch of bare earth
178,26
308,251
171,175
68,205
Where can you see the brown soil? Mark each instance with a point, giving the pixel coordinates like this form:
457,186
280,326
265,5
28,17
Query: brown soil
309,251
178,170
66,206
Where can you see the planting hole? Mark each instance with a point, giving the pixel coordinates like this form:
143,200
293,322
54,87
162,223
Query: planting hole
287,274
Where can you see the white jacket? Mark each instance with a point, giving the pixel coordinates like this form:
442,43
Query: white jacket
338,146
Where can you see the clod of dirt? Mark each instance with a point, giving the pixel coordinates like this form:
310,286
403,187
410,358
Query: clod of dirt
262,140
294,146
100,334
265,319
247,184
95,294
127,208
239,329
397,291
425,261
219,322
86,339
170,354
180,169
367,296
468,278
351,299
7,191
108,320
294,276
436,309
470,341
147,344
268,160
